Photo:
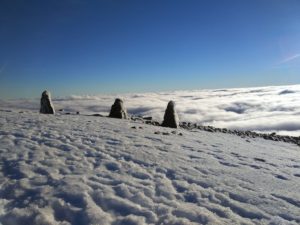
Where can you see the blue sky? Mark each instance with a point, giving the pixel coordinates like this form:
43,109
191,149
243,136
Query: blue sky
112,46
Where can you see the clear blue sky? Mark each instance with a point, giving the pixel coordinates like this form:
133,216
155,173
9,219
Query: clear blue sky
112,46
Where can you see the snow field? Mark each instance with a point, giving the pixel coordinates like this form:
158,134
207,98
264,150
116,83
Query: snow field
67,169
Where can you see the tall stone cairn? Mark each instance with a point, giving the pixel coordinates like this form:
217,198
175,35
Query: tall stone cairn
170,118
118,110
46,104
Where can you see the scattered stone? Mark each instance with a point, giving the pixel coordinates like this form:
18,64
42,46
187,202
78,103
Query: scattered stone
155,123
243,134
118,110
46,104
77,113
67,113
5,110
171,118
224,130
137,119
165,133
97,114
134,127
173,132
61,110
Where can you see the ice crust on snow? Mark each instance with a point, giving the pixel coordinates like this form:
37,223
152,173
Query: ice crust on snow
62,169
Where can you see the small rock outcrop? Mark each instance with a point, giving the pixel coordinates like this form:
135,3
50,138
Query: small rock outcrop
118,110
46,104
170,118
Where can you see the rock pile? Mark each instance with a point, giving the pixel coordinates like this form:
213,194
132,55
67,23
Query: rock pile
46,104
118,110
243,134
170,118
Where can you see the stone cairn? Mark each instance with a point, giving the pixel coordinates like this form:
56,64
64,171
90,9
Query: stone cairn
170,117
46,104
118,110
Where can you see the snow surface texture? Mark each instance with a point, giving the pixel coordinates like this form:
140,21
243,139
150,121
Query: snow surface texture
75,169
266,109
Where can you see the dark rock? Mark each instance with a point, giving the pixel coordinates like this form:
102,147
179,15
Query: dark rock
157,132
77,113
147,118
118,110
224,130
46,104
155,123
134,118
170,117
209,129
97,114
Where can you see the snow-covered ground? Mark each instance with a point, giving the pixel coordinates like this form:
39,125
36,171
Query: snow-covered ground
76,169
264,109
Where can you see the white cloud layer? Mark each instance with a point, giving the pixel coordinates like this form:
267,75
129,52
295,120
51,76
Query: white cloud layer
266,109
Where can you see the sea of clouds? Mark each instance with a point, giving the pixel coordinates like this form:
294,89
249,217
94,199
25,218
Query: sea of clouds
264,109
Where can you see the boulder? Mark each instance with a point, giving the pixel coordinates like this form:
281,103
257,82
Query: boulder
118,110
46,104
170,118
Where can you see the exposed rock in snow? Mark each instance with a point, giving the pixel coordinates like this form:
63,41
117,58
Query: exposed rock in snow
46,104
171,117
118,110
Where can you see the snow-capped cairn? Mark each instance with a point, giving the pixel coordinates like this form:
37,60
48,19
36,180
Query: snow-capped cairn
46,104
170,117
118,110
